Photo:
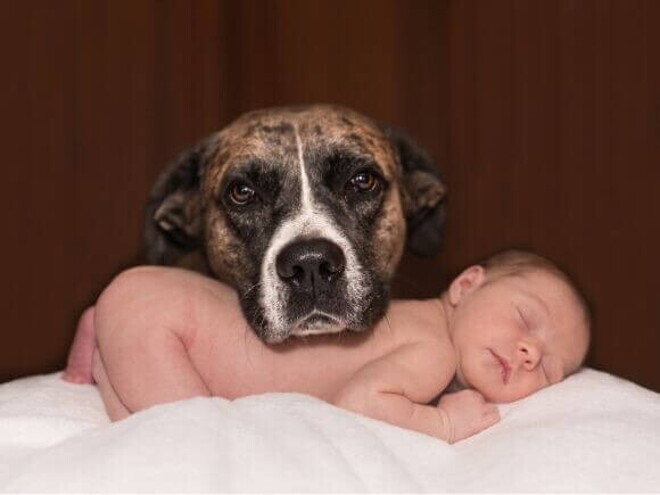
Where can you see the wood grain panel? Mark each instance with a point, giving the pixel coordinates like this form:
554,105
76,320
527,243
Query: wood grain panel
38,53
100,95
555,146
544,116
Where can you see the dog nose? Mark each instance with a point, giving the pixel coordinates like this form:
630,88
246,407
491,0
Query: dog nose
310,265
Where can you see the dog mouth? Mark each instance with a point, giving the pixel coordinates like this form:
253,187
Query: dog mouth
315,323
505,369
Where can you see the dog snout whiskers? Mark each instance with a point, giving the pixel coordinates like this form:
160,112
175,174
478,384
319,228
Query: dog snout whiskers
310,265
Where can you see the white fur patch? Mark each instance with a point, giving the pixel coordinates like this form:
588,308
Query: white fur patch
309,222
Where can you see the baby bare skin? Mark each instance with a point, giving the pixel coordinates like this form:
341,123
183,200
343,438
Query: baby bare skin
166,334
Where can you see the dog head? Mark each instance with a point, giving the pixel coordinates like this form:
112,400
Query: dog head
305,211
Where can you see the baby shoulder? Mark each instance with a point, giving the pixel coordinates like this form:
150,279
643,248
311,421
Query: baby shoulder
426,358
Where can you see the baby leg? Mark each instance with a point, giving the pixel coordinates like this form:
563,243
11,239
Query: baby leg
114,407
145,321
79,363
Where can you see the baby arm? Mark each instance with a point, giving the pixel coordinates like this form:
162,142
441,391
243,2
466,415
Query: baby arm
398,387
144,323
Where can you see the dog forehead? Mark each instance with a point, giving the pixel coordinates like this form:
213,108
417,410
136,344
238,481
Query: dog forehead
274,135
342,129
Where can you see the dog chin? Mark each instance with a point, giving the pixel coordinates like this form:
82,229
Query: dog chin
317,323
314,321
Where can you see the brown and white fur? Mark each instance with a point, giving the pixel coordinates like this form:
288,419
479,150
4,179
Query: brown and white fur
305,211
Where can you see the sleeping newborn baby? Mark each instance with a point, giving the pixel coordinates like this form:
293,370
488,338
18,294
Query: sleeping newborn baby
504,329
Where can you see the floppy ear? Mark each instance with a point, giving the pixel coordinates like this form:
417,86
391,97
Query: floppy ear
173,215
423,194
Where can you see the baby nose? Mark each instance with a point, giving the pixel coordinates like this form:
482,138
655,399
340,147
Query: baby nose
529,355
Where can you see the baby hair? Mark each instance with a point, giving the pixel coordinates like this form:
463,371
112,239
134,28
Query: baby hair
512,262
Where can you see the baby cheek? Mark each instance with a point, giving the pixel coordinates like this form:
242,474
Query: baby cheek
520,388
476,372
532,383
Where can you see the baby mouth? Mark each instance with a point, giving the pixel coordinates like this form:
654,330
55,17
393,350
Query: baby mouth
506,369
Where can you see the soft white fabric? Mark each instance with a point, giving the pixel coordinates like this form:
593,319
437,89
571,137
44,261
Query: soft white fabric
593,432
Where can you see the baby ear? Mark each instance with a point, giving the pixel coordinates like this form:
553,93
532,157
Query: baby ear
469,279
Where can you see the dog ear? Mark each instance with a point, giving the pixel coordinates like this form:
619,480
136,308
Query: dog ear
423,194
173,216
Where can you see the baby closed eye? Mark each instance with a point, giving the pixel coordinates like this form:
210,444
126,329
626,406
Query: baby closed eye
523,318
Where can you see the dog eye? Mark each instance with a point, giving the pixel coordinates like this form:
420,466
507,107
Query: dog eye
241,194
364,181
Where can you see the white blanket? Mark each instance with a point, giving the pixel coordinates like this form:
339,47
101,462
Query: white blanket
593,432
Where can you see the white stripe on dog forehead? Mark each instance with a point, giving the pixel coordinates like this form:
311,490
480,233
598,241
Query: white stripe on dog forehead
309,221
305,188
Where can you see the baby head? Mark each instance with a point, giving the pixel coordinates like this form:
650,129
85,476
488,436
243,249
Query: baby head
518,324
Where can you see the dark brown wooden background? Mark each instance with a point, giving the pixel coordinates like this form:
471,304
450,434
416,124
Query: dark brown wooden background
544,114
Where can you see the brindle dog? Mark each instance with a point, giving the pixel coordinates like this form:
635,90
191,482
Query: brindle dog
304,210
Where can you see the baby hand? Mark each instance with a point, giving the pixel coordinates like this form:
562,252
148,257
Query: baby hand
467,413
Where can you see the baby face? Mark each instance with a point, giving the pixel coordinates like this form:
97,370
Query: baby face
516,334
